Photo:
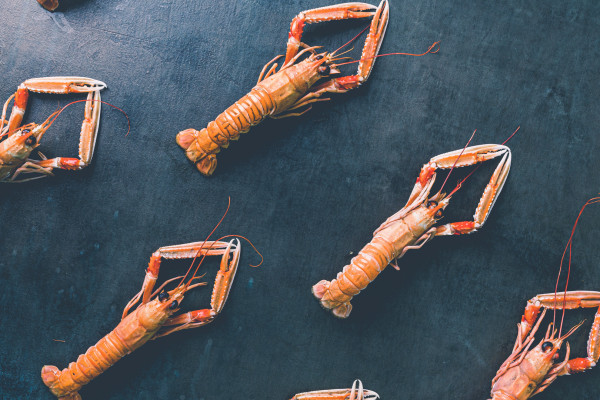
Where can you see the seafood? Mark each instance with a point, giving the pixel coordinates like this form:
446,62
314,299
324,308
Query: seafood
528,371
283,93
49,5
17,142
152,318
413,226
355,393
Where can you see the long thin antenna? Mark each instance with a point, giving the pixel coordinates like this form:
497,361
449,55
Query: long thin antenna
458,158
204,242
100,101
230,236
569,246
476,168
429,50
513,134
350,41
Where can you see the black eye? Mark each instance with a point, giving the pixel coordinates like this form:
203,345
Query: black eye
319,57
438,214
173,305
30,141
547,346
162,296
432,204
324,70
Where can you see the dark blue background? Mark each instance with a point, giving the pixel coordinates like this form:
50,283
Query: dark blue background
307,191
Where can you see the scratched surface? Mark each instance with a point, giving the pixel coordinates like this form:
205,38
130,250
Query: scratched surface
307,191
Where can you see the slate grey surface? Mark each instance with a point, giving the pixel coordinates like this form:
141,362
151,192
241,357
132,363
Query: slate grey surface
307,191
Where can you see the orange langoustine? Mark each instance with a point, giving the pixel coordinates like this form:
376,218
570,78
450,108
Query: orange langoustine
17,142
529,371
413,226
153,317
281,94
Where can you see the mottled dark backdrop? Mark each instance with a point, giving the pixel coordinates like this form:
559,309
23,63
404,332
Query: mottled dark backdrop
307,191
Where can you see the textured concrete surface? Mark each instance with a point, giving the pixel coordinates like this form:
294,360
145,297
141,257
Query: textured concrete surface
307,191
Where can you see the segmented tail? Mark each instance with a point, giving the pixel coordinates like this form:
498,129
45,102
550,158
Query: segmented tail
66,383
356,276
201,146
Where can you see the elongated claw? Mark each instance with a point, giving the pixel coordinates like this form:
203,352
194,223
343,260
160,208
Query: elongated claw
357,392
461,158
89,127
63,85
223,282
176,252
470,156
374,40
572,300
329,13
225,277
55,85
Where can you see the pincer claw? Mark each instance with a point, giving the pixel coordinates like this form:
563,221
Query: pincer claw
357,392
64,85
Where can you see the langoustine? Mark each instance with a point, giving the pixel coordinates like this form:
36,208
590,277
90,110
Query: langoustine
291,90
18,142
152,318
414,225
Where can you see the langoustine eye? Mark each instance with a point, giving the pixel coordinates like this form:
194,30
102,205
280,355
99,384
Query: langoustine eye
324,70
162,296
30,141
547,347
